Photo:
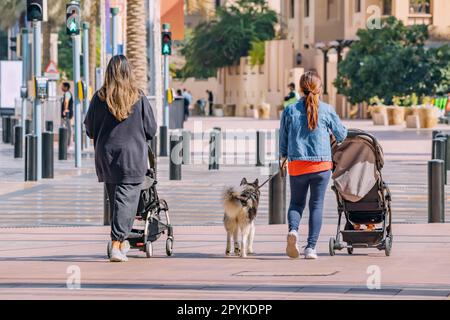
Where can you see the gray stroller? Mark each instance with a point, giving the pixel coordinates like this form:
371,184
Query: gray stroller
362,195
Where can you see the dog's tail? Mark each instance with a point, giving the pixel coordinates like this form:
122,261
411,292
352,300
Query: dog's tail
230,195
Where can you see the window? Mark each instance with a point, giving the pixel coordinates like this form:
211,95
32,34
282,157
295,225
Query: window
357,6
307,6
420,6
292,9
387,7
332,9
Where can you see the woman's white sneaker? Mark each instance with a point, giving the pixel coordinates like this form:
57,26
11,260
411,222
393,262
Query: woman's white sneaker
292,245
311,254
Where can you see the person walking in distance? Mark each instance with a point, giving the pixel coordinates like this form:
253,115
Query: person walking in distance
67,110
210,101
305,148
121,121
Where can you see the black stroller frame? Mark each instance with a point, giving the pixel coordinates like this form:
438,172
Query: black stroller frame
155,212
381,239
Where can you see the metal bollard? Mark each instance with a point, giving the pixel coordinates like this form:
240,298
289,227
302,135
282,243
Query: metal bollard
213,150
31,158
436,192
260,149
106,208
7,130
277,144
446,137
28,129
3,129
63,143
277,196
14,122
440,153
47,155
163,135
18,144
176,158
49,126
187,147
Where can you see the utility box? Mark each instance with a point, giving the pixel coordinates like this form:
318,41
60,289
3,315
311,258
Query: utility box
10,85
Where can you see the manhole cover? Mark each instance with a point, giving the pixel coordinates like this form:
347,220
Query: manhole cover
283,274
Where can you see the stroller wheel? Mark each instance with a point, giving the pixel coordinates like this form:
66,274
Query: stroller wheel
149,249
108,249
332,244
169,246
388,246
350,251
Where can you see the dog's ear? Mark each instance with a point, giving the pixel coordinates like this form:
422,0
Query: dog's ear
244,182
256,183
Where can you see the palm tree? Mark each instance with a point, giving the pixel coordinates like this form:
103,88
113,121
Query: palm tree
91,9
137,40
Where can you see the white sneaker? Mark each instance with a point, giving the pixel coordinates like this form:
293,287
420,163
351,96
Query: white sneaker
292,245
117,256
125,247
311,254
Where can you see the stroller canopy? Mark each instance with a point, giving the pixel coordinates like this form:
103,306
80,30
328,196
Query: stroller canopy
358,162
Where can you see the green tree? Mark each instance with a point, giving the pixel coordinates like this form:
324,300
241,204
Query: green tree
392,61
224,40
65,62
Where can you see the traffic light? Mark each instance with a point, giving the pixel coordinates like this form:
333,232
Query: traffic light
35,10
13,44
166,43
73,18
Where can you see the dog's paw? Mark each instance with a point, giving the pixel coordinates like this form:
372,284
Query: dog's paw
237,252
243,256
228,253
250,252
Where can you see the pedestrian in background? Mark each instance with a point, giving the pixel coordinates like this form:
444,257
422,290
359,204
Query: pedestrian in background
211,102
187,103
121,121
292,97
67,110
305,148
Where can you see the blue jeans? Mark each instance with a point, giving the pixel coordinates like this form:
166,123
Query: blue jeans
318,183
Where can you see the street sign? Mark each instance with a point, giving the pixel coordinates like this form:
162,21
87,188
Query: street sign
51,71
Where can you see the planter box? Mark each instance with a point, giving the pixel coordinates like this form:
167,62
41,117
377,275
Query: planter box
396,115
229,110
413,122
251,112
218,110
264,111
380,119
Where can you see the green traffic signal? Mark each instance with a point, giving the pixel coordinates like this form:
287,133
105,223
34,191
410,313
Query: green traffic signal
166,43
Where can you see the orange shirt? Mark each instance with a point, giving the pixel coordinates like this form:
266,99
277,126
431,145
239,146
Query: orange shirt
299,168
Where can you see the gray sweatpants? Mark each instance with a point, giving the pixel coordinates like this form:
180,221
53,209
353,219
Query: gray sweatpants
123,202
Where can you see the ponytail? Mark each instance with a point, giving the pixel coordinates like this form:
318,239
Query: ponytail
311,86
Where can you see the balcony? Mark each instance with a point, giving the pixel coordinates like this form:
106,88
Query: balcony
420,18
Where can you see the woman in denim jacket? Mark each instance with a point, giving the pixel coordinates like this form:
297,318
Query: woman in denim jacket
305,148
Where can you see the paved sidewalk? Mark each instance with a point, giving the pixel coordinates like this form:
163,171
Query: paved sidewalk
75,198
34,264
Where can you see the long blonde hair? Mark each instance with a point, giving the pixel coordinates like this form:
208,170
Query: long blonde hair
311,86
119,89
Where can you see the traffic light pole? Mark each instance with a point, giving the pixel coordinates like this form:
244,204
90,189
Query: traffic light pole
114,26
77,102
166,88
24,82
37,114
86,71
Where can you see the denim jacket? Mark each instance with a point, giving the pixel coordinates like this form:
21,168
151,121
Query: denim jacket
297,142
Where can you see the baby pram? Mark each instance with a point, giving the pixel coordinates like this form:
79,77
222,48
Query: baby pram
361,194
154,213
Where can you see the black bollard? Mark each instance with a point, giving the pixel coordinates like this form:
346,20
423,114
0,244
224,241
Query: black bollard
3,129
214,150
7,130
63,143
163,136
436,192
18,144
440,153
176,157
106,208
260,149
31,158
49,126
14,122
277,195
47,155
28,129
445,137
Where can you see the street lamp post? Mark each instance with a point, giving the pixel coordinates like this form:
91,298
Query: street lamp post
115,32
37,114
